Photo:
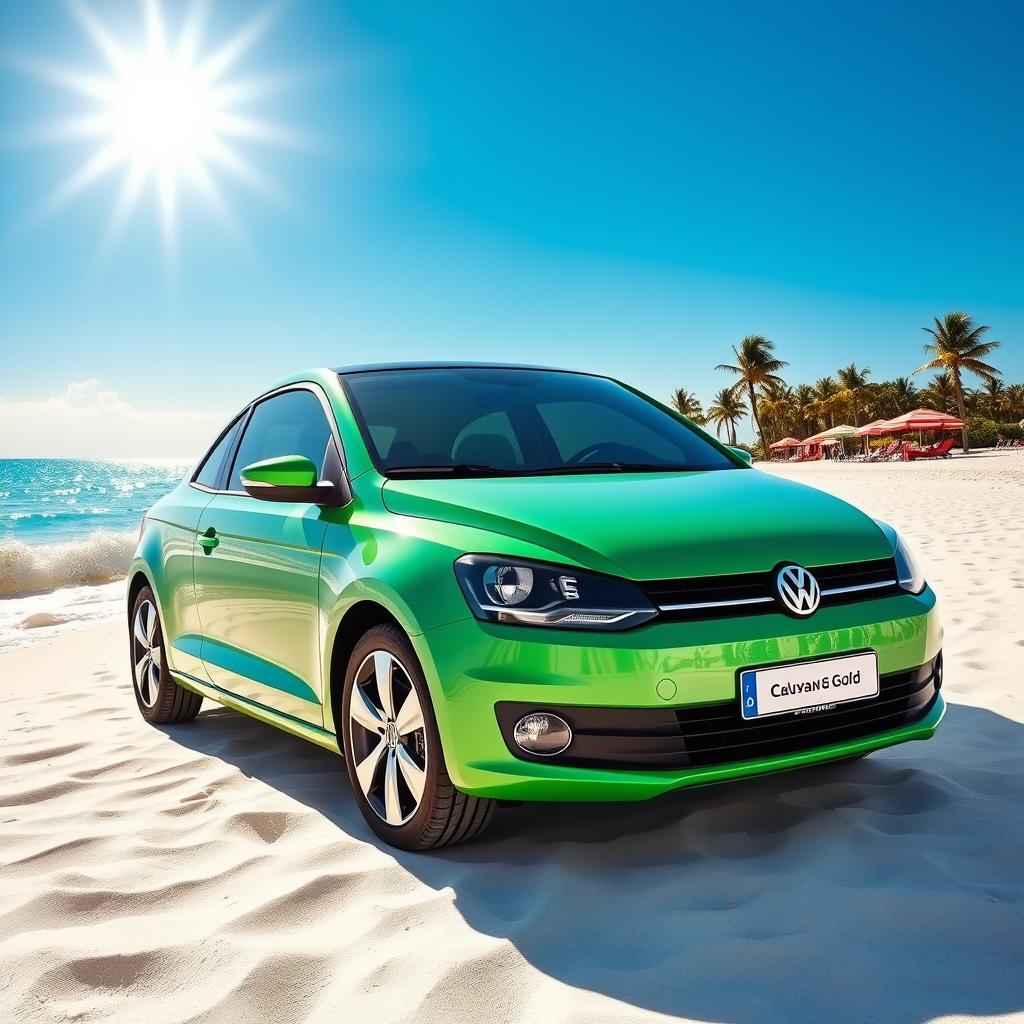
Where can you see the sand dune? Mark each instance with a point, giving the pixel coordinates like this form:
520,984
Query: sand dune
221,872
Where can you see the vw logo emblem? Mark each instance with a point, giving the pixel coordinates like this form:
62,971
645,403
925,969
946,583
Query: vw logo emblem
798,590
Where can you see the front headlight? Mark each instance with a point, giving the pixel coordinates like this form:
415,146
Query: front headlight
512,590
908,572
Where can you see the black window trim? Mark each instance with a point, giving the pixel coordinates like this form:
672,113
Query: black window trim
245,415
229,454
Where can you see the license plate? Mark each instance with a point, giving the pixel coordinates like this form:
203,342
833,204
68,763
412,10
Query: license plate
808,685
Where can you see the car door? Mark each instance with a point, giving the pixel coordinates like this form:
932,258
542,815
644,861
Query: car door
180,521
257,567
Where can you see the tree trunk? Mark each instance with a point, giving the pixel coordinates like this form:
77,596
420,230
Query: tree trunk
753,409
959,392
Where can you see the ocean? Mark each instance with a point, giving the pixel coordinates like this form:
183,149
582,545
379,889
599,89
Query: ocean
69,522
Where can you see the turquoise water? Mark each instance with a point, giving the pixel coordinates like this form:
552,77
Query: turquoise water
45,501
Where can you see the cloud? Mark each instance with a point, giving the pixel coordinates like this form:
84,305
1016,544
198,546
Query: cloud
90,421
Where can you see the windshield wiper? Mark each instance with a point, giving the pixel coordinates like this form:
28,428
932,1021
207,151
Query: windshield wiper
611,467
459,469
468,469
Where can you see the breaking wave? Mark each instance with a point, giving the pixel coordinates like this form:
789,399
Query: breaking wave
101,557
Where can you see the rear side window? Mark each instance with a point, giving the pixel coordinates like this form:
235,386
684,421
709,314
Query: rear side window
210,469
291,423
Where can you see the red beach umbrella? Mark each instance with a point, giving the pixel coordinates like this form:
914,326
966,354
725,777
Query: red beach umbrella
923,419
871,429
813,439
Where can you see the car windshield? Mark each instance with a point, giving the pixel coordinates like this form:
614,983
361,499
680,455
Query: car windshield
468,421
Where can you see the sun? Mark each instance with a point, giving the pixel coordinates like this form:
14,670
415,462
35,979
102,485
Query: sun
165,115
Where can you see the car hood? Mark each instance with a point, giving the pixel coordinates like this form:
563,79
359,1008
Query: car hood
654,525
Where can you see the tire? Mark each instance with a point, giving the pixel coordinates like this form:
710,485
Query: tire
393,752
160,699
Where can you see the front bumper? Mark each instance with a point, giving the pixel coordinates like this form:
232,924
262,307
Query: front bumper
472,667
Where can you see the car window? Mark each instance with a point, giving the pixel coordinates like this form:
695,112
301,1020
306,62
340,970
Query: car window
383,438
577,426
488,440
443,420
289,423
210,468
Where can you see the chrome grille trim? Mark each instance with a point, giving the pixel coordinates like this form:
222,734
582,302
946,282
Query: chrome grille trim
715,604
859,586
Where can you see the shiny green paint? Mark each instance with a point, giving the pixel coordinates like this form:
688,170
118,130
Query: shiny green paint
303,730
271,600
239,663
476,664
651,525
258,600
283,471
545,782
164,555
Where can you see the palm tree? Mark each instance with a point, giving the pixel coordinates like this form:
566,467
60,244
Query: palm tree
854,382
727,408
826,395
1015,400
957,346
803,409
755,366
687,403
939,393
995,398
905,396
777,409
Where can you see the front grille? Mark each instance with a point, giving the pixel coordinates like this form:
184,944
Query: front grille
714,734
753,593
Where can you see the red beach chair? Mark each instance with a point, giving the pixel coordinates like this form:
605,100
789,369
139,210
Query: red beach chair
939,451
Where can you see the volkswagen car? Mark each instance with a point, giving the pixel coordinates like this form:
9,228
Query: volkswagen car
482,584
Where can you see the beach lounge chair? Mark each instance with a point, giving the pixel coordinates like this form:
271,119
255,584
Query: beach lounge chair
882,454
937,451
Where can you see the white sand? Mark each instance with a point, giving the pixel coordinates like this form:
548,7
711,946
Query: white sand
221,872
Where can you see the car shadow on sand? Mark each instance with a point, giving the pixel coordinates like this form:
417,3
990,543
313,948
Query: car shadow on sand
887,890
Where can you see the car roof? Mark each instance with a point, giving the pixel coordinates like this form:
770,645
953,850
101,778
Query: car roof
451,365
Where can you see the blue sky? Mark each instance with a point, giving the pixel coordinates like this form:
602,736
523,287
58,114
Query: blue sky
625,188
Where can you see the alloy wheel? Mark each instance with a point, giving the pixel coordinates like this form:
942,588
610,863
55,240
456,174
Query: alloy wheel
147,654
387,738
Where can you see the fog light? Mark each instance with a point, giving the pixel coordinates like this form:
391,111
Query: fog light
543,734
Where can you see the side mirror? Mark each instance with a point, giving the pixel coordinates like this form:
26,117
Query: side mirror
743,454
291,478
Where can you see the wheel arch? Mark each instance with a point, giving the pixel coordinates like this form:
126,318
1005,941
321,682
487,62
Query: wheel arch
137,580
361,616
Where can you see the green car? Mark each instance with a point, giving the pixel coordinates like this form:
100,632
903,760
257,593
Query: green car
499,583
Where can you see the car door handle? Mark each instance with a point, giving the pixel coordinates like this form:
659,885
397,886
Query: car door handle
209,540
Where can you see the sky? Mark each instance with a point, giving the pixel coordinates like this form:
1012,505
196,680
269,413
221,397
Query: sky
628,189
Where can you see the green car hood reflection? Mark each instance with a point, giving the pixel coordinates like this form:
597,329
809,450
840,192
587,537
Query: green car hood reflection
654,525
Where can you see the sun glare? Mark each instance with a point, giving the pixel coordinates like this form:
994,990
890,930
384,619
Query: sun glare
165,115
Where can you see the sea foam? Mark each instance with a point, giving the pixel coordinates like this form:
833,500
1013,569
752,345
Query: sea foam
38,568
